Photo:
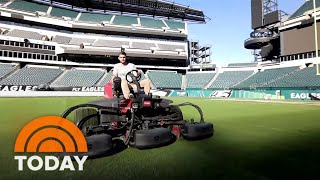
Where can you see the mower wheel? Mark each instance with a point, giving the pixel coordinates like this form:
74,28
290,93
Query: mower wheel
197,131
98,145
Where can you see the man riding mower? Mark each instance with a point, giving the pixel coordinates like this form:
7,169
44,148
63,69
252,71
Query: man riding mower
143,121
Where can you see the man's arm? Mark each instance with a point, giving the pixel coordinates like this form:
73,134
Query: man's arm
114,73
113,76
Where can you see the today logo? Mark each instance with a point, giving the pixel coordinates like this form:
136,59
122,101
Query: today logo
50,134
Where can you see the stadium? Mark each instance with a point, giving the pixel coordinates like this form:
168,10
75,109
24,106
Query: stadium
56,54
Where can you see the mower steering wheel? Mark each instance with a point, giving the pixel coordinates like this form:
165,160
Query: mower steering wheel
130,74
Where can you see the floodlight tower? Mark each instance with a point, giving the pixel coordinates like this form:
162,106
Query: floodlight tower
270,6
264,40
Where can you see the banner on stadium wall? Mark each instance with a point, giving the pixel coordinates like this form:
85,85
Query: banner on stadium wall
16,88
301,94
199,93
276,94
79,89
221,94
245,94
101,89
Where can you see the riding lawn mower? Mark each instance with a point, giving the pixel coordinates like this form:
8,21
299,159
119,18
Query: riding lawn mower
143,121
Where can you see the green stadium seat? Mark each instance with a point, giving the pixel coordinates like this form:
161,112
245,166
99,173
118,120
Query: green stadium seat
105,79
4,1
151,23
32,76
78,77
260,79
304,78
125,20
59,12
165,79
97,18
308,5
28,6
198,80
175,25
227,79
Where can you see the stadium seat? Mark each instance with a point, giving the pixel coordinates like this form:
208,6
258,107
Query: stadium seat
24,34
307,6
61,39
304,78
6,69
95,17
78,41
32,76
105,79
79,77
28,6
151,23
110,43
142,45
165,79
125,20
198,80
59,12
175,25
169,47
260,79
227,79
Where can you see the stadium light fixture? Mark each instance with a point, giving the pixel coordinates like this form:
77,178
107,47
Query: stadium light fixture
316,36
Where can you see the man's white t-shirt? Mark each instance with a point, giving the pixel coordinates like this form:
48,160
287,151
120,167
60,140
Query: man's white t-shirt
121,70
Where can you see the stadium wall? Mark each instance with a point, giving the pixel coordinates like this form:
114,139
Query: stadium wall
267,94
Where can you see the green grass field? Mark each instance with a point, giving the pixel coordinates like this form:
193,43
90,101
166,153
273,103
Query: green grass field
252,141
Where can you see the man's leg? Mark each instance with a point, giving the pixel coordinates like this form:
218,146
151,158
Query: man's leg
146,83
125,89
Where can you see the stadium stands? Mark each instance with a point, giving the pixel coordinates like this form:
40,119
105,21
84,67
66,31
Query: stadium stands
96,18
152,23
78,77
6,68
198,80
105,79
308,5
142,45
260,79
165,79
61,39
110,43
28,6
78,41
59,12
125,20
166,47
24,34
227,79
304,78
32,76
4,1
175,25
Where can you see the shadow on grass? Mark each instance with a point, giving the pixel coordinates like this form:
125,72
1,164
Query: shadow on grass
282,159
